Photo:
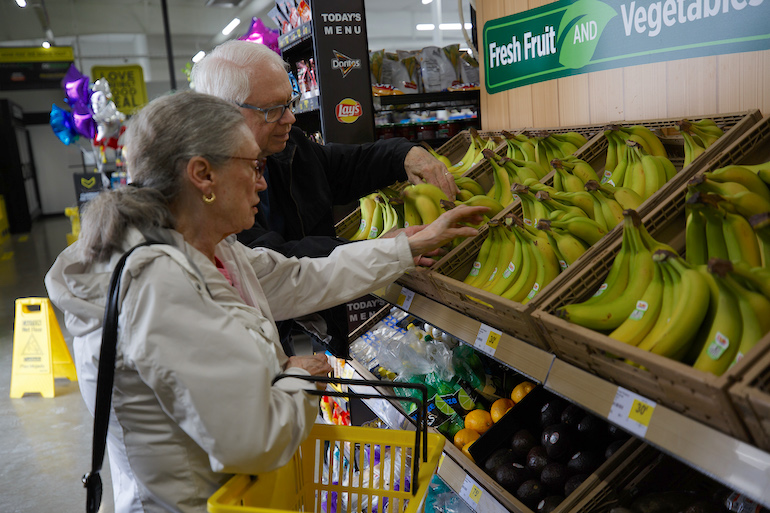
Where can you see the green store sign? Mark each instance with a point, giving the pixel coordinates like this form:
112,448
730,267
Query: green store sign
570,37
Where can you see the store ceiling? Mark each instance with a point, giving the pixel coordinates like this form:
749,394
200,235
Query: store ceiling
390,23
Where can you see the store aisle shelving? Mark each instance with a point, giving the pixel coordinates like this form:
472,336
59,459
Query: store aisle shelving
45,444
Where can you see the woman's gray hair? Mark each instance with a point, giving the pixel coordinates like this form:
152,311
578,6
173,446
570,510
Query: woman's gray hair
225,71
160,140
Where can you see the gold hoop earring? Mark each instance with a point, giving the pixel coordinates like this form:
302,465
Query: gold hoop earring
208,199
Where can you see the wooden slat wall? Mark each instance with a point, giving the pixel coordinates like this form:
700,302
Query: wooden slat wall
703,85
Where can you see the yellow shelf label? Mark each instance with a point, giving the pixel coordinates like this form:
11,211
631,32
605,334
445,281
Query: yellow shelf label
641,412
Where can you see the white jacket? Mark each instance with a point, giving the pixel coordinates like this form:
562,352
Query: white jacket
192,399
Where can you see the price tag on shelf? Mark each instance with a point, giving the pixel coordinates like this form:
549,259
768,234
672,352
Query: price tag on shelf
488,339
405,298
632,411
471,493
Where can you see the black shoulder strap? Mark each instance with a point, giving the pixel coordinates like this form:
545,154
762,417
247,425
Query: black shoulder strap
104,380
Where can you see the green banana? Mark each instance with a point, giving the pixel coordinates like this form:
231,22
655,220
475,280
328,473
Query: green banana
695,236
584,228
741,175
755,317
469,184
741,240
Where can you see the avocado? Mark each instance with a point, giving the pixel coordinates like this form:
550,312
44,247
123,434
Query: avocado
553,476
498,458
584,462
521,443
549,504
531,493
537,459
559,441
591,430
573,482
510,476
572,415
551,411
613,447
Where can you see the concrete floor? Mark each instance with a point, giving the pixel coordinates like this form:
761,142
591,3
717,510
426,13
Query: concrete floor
45,444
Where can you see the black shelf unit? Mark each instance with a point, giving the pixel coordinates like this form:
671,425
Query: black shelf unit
18,179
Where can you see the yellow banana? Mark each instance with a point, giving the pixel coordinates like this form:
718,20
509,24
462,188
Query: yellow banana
469,184
411,216
691,303
670,298
475,275
426,189
580,199
569,182
628,199
511,270
740,240
523,284
755,316
427,208
441,158
737,174
584,228
655,175
484,201
617,278
547,270
504,255
653,144
723,338
643,318
367,211
375,229
609,315
692,150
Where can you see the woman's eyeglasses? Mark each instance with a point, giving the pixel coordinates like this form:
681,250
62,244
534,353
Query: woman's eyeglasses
273,114
259,168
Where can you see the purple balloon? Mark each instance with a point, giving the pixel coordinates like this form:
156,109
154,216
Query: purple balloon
83,120
75,86
259,33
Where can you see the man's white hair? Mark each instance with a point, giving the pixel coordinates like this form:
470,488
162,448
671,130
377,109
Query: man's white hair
225,71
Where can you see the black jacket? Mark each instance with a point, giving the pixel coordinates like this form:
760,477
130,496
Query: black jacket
305,181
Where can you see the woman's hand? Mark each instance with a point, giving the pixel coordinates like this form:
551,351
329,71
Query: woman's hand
316,365
428,238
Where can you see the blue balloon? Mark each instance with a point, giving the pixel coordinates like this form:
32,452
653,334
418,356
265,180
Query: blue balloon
63,126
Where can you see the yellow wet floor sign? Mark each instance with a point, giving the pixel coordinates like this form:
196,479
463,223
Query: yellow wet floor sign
39,351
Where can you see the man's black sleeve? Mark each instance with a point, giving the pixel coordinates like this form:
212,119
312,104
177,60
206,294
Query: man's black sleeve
313,246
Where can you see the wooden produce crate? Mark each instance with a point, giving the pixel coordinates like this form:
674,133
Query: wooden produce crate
697,394
646,470
751,397
522,416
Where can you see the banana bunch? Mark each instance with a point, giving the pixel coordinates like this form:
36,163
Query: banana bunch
378,215
618,138
422,203
617,297
472,155
543,147
637,160
725,211
513,262
572,174
698,135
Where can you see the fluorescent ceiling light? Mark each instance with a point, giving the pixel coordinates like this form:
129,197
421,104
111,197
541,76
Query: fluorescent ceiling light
426,2
425,26
198,56
453,26
231,26
46,44
21,3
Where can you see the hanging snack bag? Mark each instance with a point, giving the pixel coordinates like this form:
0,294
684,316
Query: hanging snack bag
303,79
452,53
436,70
412,65
375,65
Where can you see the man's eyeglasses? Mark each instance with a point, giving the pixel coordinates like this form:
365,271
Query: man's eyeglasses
273,114
259,168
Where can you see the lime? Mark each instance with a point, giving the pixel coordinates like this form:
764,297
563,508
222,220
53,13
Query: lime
442,406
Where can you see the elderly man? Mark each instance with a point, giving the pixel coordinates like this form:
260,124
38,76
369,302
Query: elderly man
305,179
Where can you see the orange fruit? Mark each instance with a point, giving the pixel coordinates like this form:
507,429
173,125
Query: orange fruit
500,408
466,451
521,390
479,421
464,437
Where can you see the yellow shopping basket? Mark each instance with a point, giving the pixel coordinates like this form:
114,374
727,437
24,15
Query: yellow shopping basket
343,469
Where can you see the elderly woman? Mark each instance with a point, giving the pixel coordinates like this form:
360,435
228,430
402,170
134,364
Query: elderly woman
197,343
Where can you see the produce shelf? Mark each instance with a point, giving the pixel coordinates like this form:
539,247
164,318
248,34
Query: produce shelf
735,464
732,462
